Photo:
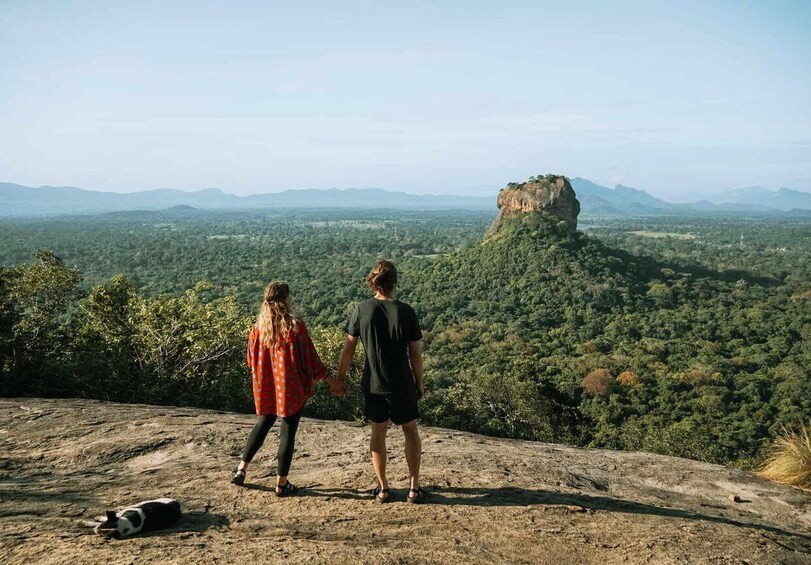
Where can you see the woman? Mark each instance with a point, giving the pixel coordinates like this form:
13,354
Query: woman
285,366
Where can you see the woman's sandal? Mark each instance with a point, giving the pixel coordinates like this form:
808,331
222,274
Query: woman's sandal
239,477
286,490
381,499
418,498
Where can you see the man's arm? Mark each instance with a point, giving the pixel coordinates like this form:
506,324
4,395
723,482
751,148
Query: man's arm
346,356
415,355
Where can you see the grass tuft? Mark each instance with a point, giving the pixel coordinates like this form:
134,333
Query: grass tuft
789,460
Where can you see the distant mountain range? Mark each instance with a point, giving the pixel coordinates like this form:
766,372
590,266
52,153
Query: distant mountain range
17,200
619,201
624,200
783,199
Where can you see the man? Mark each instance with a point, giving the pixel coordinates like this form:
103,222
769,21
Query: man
392,373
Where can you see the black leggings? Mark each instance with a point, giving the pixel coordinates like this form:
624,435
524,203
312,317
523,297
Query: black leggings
287,440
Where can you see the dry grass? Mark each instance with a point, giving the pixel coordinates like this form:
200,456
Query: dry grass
789,460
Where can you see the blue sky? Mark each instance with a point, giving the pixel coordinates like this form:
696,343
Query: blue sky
679,98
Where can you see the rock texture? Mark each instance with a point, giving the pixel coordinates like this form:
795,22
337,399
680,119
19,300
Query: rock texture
63,462
551,195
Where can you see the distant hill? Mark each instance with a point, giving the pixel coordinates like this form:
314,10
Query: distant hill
626,201
18,200
622,200
783,199
363,198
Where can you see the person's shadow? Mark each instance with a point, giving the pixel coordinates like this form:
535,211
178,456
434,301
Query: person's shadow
312,491
514,496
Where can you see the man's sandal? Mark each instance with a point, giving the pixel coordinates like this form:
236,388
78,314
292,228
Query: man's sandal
239,477
381,499
286,490
418,497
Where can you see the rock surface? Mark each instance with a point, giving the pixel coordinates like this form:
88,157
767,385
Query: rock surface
551,195
63,462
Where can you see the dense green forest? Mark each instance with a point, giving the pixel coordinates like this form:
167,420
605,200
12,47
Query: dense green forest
323,254
678,335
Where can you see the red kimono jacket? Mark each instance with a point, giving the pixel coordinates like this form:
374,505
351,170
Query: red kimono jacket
284,376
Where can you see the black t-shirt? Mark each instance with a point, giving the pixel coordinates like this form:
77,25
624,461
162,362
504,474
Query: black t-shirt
385,328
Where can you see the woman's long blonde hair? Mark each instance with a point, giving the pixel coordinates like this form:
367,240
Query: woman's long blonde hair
275,322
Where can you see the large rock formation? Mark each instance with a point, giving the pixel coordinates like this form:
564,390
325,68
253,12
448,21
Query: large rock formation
551,195
491,500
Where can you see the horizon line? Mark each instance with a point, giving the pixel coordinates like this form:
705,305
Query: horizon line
355,188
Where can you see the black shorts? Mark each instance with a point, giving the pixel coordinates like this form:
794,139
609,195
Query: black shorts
400,408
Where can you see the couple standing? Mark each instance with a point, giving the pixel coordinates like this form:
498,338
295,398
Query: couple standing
285,366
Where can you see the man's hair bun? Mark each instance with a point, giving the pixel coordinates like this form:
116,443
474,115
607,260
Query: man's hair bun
382,277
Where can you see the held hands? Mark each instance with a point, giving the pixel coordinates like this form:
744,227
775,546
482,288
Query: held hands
337,386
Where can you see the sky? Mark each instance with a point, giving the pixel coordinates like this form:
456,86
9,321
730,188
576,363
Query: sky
682,99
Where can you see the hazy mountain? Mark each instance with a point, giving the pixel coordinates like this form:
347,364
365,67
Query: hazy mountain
17,200
622,199
784,199
363,198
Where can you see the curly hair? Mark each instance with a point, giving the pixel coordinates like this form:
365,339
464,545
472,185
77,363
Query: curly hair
275,322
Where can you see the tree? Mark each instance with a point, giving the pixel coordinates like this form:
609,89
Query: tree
629,379
35,299
599,382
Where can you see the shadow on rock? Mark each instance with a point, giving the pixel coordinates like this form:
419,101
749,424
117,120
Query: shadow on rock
312,492
511,496
192,523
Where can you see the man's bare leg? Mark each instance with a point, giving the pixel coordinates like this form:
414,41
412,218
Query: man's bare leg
413,453
377,446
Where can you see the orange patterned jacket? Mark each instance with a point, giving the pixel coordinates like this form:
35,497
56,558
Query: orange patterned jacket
284,376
